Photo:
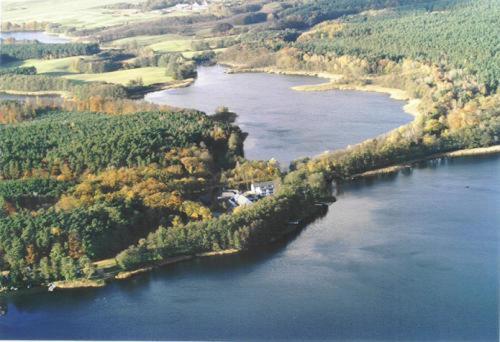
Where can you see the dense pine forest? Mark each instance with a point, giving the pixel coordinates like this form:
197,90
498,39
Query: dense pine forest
83,186
465,37
45,51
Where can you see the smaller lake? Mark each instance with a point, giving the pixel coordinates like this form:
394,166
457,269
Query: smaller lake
42,37
283,123
23,98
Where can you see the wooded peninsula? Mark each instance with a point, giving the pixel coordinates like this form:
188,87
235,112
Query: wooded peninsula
97,184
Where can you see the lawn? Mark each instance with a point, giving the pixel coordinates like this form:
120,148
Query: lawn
149,75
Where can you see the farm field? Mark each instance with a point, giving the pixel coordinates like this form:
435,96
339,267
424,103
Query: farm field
59,66
149,75
80,14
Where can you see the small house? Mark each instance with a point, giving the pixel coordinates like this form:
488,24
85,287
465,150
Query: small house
263,188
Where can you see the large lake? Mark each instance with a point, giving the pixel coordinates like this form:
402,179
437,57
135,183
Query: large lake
42,37
412,256
283,123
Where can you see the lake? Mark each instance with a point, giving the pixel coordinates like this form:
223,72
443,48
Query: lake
42,37
409,256
31,98
283,123
412,256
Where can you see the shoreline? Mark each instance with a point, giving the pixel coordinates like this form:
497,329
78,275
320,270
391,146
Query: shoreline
108,269
156,87
470,152
62,94
140,94
109,273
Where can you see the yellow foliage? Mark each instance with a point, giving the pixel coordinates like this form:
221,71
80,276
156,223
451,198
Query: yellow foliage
196,211
67,203
56,231
218,133
429,140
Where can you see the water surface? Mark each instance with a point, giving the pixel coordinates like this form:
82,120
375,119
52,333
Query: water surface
42,37
412,256
30,98
283,123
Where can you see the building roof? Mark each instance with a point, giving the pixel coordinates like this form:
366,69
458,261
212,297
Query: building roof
263,184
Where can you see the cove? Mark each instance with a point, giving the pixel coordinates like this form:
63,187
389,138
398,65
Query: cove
283,123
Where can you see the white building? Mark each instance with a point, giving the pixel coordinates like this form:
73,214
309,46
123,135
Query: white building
263,188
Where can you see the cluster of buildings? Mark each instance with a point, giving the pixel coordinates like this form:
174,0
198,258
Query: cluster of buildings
196,6
236,198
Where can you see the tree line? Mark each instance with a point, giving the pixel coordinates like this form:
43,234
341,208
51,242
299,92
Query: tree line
23,51
35,83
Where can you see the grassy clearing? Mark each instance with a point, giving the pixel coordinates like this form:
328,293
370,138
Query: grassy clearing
178,45
105,264
58,66
190,54
145,40
149,75
183,45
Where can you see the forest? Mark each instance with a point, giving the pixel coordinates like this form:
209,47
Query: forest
435,38
34,83
83,186
46,51
79,142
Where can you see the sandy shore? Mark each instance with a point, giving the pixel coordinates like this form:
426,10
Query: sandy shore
178,84
480,151
79,284
235,68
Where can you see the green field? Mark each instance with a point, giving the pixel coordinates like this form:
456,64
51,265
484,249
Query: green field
190,54
174,45
143,41
75,13
164,43
149,75
57,66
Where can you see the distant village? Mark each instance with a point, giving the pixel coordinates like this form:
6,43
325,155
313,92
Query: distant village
196,6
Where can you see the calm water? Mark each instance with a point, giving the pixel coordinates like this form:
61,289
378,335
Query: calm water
413,256
285,124
42,37
22,98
